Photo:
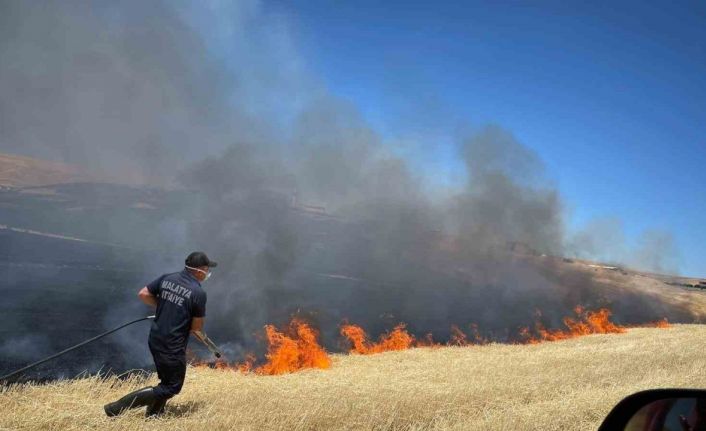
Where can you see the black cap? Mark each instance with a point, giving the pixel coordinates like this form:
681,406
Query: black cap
199,258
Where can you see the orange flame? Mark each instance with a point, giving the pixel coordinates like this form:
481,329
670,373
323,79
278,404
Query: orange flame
248,365
357,337
663,323
400,339
397,339
294,350
587,322
296,347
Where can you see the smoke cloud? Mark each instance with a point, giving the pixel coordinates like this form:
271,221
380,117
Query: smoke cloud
604,240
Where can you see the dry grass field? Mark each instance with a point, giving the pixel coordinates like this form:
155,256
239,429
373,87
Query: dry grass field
565,385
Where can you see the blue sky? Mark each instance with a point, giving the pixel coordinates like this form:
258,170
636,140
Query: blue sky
611,96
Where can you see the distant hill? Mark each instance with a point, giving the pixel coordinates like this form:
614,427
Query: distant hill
21,171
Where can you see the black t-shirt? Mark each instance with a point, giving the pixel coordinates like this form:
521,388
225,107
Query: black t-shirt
179,299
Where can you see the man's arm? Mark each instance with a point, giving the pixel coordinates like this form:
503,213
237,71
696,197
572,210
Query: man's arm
197,326
146,297
197,330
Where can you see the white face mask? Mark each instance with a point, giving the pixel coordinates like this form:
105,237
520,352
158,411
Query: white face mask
208,273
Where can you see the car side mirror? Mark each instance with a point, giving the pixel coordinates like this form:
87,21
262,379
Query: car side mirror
659,410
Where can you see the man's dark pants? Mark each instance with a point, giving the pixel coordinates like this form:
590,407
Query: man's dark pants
171,369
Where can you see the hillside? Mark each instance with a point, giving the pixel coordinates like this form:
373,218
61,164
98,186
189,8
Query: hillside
20,171
567,385
671,293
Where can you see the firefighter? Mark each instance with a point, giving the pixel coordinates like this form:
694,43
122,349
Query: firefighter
181,308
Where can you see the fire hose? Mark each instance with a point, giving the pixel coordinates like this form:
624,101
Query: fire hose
202,337
56,355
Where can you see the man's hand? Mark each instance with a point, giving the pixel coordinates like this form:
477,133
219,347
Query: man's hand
146,297
197,330
208,343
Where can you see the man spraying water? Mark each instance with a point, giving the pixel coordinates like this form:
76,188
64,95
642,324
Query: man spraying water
181,309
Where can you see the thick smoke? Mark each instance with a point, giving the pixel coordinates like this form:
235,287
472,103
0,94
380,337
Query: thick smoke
604,240
383,251
656,252
601,239
505,200
127,90
302,203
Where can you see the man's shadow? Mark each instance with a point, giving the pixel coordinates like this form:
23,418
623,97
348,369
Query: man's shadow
183,409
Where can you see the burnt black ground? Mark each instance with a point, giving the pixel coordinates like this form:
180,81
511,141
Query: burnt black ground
57,292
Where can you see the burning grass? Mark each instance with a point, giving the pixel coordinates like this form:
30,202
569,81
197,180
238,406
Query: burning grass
585,323
565,385
296,347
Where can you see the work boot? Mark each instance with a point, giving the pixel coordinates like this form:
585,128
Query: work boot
140,398
156,408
